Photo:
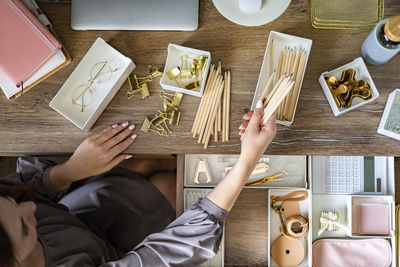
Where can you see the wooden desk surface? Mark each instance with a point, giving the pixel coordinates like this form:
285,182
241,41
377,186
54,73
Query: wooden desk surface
29,126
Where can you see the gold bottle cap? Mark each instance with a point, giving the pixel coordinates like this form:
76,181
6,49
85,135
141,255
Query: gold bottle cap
392,29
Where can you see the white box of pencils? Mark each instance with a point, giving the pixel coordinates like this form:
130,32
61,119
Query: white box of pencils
289,56
361,73
92,85
176,58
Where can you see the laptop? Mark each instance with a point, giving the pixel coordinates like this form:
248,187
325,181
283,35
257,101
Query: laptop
156,15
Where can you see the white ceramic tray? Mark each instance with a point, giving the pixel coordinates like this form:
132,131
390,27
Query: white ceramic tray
390,122
103,92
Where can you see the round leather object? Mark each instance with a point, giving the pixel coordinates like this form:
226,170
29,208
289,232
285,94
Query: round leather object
287,252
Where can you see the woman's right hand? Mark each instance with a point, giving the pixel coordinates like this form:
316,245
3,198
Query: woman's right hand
99,153
257,138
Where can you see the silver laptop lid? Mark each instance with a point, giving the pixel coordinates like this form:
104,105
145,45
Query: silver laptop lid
164,15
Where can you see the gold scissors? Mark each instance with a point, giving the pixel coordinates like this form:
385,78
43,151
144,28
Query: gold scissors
273,178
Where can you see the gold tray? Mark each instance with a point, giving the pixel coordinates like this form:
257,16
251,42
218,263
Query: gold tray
346,14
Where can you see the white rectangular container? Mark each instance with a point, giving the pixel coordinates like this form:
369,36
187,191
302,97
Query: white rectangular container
294,168
281,41
392,111
173,60
361,73
103,93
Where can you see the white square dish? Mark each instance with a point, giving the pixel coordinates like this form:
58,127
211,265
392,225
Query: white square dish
361,73
390,122
103,92
174,59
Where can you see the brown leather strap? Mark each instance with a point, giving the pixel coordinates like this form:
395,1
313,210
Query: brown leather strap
289,197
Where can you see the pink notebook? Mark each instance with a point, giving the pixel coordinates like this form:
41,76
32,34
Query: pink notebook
25,43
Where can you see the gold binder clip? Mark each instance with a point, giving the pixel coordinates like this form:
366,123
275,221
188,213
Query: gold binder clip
175,117
153,72
141,87
192,85
173,73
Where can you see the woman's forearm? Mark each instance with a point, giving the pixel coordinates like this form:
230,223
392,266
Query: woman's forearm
226,192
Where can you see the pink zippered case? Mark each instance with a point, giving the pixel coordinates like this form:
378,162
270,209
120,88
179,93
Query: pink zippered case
25,44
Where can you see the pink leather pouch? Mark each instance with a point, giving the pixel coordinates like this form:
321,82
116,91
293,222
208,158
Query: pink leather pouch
351,253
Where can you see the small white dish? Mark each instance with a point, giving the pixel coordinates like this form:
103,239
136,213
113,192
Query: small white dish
174,59
390,122
269,11
361,73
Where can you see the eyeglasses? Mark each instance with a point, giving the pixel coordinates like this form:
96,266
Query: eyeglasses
83,95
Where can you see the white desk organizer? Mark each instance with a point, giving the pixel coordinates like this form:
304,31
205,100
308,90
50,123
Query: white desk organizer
361,73
174,59
342,203
294,168
103,93
281,40
274,224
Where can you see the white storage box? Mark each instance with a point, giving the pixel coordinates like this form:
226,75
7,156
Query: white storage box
173,60
293,167
281,40
103,92
390,122
274,224
361,73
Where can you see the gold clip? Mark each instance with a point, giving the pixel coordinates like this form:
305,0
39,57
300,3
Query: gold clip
177,99
145,125
192,85
175,117
153,72
173,73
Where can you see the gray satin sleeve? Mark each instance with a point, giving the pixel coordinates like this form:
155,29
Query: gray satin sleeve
192,239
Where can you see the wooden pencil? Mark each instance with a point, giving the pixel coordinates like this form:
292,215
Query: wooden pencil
228,105
207,134
209,104
296,88
269,83
279,68
277,99
271,57
204,113
209,121
204,99
292,70
224,108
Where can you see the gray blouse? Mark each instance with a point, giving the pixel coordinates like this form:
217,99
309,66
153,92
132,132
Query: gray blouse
99,220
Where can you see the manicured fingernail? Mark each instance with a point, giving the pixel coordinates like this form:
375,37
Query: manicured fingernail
132,127
259,103
244,116
125,124
115,125
241,126
128,157
133,136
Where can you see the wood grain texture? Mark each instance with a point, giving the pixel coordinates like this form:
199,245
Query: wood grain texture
246,230
29,126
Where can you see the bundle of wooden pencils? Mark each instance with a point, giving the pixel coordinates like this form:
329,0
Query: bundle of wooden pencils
291,62
212,115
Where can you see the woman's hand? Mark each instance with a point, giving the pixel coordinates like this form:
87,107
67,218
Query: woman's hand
97,154
257,138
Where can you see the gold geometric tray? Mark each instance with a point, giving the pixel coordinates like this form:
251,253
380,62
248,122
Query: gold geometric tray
346,14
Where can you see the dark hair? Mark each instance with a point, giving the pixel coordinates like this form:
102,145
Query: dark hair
19,193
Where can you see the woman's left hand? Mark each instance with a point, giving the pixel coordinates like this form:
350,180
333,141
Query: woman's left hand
99,153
